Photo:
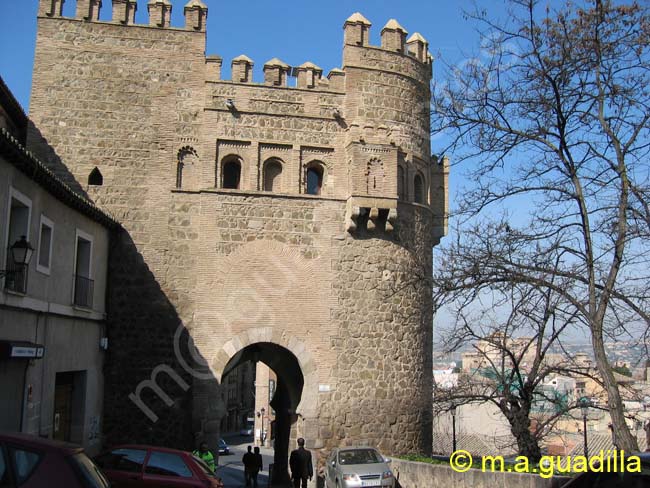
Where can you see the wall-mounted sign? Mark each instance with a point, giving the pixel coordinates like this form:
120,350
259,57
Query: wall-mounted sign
324,388
21,350
27,352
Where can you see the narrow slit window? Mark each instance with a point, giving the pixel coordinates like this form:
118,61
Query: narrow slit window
418,189
45,245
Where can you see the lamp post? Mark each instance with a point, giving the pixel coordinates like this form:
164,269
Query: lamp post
453,427
584,408
21,253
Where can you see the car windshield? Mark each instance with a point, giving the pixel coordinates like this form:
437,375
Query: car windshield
88,472
360,456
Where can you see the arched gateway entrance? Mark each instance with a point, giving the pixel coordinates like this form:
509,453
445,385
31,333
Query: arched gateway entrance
291,399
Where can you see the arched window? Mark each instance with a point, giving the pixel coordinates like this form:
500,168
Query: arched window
95,177
273,175
375,177
186,167
418,189
401,186
231,174
314,179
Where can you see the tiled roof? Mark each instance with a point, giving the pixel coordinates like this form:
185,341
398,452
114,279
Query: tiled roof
475,444
597,442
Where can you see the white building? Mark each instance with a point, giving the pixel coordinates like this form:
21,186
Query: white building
52,310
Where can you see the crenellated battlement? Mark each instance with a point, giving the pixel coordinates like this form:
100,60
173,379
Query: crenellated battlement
409,57
123,12
397,54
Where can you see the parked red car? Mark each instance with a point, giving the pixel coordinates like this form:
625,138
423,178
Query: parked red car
130,466
27,461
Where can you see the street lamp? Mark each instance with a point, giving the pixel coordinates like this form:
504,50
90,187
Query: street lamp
584,408
453,427
21,253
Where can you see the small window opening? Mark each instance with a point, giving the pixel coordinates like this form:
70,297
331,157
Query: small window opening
95,177
272,174
400,183
179,174
231,175
418,189
314,180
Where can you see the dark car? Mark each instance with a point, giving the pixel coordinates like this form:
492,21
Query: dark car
223,447
130,466
27,461
615,479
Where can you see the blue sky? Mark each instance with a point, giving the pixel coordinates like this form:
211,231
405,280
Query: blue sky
292,30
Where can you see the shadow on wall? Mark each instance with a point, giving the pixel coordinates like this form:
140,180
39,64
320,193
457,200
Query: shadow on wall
148,393
40,148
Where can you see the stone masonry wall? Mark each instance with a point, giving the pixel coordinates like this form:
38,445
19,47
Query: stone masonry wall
124,99
236,268
424,475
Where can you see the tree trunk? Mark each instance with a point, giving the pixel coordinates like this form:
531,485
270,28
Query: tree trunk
624,438
527,444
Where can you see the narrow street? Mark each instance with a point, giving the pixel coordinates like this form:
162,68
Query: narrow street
231,468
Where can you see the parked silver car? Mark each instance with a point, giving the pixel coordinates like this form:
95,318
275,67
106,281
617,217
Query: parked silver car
356,467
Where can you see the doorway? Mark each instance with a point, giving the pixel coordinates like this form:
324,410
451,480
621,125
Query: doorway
286,398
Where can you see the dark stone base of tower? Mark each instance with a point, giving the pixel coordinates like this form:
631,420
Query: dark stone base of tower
288,225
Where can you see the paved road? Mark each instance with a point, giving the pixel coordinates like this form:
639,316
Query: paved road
231,468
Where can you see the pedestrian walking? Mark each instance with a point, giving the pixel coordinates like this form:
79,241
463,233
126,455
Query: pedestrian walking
301,465
248,460
258,465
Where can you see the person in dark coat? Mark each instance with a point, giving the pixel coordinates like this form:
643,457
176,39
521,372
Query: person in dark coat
300,464
248,461
257,465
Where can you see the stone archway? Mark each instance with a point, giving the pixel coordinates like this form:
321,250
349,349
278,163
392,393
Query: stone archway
297,388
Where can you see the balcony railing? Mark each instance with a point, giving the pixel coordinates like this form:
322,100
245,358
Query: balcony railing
16,278
83,291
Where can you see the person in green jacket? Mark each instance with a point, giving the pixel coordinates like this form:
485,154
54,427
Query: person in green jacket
204,453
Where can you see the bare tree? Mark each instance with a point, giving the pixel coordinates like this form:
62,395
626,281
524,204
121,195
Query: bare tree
554,121
515,331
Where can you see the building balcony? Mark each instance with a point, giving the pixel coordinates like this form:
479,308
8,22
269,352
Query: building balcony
83,291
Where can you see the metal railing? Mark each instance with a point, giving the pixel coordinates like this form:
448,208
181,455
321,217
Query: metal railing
83,291
16,277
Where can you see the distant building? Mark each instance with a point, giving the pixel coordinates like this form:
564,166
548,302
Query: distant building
445,375
52,309
239,397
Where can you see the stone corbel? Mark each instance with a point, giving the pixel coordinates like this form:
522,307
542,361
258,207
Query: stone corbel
373,219
352,217
391,220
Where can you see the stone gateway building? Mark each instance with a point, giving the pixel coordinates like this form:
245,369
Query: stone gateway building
288,223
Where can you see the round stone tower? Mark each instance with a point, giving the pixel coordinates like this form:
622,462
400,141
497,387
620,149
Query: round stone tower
291,225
